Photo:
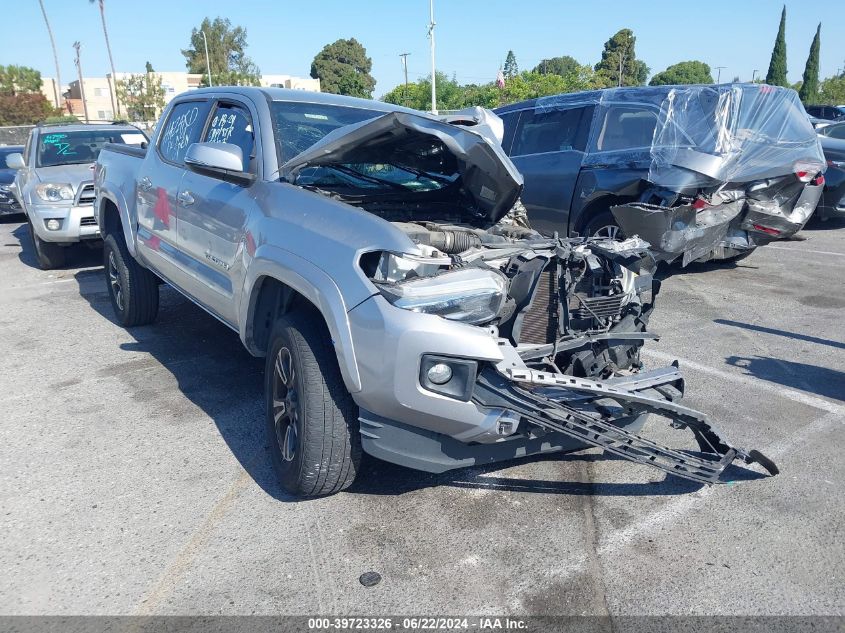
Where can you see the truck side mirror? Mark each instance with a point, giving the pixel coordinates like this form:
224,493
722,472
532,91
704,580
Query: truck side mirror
15,161
219,160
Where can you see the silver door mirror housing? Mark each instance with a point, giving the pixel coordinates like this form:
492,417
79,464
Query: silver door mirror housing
15,161
219,160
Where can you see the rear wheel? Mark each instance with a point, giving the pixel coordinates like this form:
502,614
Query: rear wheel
312,421
132,288
49,254
604,225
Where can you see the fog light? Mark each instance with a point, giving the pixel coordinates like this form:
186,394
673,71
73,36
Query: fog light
54,224
440,374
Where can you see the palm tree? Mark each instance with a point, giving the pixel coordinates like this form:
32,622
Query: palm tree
58,89
115,105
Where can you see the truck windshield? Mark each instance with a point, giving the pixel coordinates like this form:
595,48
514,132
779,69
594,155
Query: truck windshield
79,147
300,125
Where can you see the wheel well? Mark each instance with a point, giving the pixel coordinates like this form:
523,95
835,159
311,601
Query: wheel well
110,219
274,299
597,206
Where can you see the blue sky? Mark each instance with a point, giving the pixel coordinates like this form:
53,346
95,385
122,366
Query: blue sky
473,37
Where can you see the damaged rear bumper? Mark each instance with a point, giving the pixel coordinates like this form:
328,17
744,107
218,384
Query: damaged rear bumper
719,231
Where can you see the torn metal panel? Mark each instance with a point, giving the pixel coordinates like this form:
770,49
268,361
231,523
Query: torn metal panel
681,231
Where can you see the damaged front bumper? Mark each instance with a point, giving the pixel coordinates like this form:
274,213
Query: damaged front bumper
512,411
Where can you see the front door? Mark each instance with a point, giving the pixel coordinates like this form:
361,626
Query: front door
548,148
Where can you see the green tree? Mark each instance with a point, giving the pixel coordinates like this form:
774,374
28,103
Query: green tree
563,66
142,95
810,81
832,90
691,72
19,80
619,54
511,68
25,108
230,65
343,68
777,65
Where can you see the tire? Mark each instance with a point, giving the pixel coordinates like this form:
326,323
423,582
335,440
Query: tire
49,254
133,289
602,225
314,439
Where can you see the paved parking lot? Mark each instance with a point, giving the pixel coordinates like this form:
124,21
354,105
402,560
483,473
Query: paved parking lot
134,478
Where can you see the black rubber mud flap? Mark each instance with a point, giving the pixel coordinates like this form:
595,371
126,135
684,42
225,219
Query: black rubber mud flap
765,462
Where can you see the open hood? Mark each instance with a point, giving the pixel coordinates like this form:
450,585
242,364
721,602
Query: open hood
483,176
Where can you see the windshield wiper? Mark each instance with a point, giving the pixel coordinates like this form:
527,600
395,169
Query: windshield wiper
373,179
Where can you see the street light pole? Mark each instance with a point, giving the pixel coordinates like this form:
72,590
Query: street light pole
77,46
753,75
719,74
207,60
431,26
404,57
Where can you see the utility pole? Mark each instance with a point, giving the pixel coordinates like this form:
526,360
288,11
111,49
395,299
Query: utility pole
754,75
404,57
431,26
207,60
621,66
719,74
77,46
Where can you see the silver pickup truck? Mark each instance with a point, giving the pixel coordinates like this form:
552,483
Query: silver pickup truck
55,183
377,258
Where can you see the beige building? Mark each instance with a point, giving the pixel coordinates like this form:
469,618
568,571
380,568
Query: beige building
98,97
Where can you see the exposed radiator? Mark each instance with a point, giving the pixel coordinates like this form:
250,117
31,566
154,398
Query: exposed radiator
591,307
539,322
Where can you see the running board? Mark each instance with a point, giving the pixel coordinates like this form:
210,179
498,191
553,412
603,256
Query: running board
554,408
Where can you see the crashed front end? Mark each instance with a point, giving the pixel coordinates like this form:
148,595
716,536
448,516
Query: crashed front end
733,167
484,340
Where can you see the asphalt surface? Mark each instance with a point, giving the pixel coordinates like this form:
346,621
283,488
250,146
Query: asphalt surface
134,477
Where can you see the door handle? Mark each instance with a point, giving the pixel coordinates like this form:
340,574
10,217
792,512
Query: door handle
145,184
185,198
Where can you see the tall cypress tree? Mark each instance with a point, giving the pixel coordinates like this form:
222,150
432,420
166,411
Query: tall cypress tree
777,66
809,92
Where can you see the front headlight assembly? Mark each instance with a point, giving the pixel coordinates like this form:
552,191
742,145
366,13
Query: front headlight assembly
467,295
51,192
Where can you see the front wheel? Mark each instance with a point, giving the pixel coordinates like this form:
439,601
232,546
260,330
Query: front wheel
312,421
49,254
604,225
132,288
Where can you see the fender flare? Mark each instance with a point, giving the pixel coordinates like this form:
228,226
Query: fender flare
126,223
316,286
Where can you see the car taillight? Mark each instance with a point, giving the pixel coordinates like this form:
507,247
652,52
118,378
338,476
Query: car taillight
805,172
818,181
699,203
766,229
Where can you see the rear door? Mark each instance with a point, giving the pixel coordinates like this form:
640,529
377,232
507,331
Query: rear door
548,148
158,185
213,212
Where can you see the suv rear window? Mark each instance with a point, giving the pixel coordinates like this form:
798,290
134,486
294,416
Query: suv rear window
626,127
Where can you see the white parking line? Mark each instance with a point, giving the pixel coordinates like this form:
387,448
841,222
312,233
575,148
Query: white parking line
751,382
804,250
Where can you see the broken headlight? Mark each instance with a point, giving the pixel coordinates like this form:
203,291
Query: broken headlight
468,295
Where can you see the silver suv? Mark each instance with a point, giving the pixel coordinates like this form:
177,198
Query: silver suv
55,183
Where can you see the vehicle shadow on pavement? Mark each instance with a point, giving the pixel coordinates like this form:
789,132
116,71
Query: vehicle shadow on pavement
214,371
824,225
784,333
78,255
821,381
